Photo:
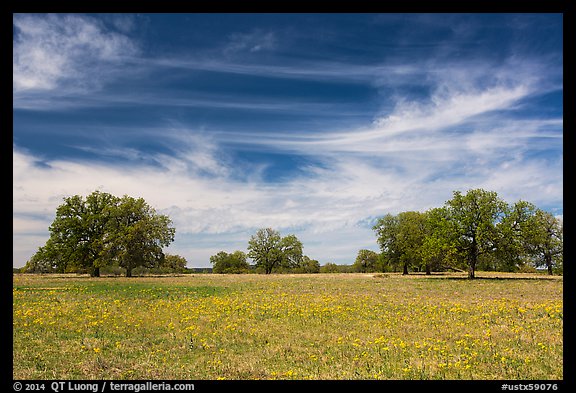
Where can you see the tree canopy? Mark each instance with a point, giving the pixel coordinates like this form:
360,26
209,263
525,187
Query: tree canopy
473,221
229,263
466,229
269,250
100,230
366,261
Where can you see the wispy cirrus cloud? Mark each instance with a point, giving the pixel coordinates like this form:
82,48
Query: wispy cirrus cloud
56,51
484,102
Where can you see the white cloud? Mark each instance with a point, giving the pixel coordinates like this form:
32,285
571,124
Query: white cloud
447,109
53,51
541,180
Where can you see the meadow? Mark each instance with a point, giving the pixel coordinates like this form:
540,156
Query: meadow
316,326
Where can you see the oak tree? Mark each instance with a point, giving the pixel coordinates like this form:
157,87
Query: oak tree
269,250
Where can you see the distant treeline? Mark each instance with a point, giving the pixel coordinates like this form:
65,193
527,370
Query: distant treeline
105,234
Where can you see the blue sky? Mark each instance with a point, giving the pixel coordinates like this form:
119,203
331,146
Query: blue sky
312,124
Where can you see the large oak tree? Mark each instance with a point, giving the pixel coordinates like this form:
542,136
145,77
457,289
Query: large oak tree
269,250
473,219
102,229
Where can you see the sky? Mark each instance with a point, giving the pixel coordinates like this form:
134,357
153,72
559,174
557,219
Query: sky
311,124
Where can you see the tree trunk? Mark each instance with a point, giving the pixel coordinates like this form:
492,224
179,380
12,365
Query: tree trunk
549,264
473,259
472,268
428,272
128,272
96,272
405,271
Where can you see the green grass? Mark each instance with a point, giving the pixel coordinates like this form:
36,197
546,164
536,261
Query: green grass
323,326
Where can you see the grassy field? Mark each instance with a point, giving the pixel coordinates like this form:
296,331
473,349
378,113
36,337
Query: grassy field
323,326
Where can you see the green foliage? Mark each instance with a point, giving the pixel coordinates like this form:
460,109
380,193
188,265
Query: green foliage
329,267
544,240
78,234
44,261
307,265
387,229
174,263
438,251
366,261
138,234
229,263
103,230
269,250
169,265
473,219
410,237
401,239
384,263
472,230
